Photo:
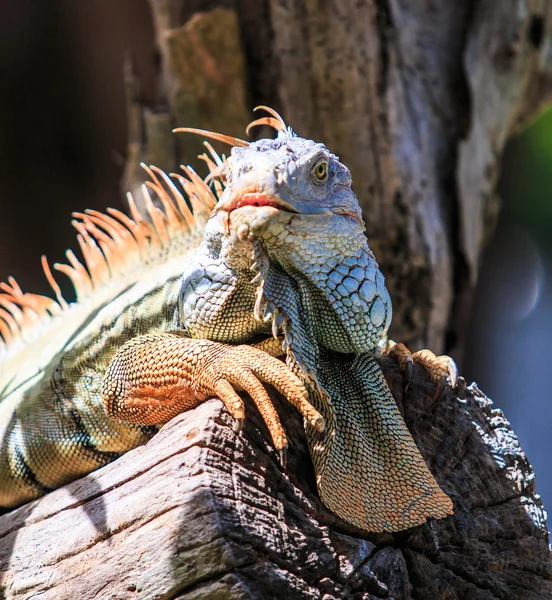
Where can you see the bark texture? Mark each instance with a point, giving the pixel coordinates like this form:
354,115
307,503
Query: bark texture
200,512
418,98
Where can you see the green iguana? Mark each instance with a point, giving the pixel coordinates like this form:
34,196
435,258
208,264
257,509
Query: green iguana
200,300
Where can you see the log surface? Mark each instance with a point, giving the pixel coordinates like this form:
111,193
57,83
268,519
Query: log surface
200,512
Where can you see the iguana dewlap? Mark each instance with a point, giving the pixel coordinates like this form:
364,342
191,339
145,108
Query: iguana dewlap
192,306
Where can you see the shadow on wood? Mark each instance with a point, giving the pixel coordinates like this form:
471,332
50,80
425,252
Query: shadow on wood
200,512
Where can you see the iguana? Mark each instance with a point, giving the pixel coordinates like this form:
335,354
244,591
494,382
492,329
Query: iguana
266,258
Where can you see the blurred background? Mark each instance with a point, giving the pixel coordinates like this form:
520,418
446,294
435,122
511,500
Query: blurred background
509,349
63,140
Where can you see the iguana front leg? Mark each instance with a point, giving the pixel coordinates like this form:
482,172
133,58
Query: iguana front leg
152,378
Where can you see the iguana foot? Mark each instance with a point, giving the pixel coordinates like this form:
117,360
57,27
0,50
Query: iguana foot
153,378
442,369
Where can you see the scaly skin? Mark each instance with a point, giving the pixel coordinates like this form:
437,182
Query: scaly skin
284,256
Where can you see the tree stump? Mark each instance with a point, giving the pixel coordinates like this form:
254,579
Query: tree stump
202,512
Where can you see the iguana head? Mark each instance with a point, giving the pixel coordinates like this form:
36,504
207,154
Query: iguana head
290,174
288,205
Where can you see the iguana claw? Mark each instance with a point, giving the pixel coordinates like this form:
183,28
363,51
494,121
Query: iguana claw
441,369
283,456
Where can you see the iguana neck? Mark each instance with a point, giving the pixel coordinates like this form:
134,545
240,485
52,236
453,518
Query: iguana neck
217,295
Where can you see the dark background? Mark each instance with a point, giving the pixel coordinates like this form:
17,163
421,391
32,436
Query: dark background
63,135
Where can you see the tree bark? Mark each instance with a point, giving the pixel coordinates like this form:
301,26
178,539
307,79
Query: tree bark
201,512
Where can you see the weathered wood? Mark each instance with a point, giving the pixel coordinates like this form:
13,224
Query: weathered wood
200,512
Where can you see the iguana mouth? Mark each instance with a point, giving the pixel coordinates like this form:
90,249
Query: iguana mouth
257,199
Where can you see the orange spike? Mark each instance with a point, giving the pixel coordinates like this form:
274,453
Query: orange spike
177,195
209,162
110,249
80,287
116,231
9,319
93,256
215,175
15,285
17,316
8,289
198,204
8,327
8,302
95,232
141,230
156,216
227,139
272,112
219,188
181,203
202,189
213,153
165,199
125,221
157,187
77,273
134,229
141,222
53,283
83,243
134,212
274,123
215,169
148,237
40,305
112,258
34,301
120,244
118,241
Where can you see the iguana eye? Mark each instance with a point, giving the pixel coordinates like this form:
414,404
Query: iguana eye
320,172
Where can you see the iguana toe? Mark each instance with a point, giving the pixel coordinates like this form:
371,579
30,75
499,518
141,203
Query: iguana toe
442,369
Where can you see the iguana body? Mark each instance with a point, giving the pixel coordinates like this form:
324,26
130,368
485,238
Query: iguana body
283,257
